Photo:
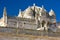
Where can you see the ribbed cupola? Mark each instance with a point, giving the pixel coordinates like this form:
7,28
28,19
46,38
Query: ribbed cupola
51,13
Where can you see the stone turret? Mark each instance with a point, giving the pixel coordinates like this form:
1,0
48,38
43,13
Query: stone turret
52,20
52,15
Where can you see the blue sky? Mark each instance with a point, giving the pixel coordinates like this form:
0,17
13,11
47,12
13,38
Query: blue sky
13,6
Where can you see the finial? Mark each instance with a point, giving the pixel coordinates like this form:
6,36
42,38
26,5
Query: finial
51,10
42,9
19,13
34,4
4,8
42,6
4,11
28,6
19,10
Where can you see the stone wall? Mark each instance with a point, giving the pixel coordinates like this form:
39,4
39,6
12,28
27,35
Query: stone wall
29,32
21,23
26,34
27,37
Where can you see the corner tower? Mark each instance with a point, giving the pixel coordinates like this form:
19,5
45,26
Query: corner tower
52,16
52,20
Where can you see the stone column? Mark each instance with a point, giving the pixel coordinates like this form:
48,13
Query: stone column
46,27
17,24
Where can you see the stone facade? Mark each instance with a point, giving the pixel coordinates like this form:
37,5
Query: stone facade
34,17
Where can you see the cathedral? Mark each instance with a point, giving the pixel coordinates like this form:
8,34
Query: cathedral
34,18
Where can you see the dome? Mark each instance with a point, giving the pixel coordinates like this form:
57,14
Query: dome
28,13
31,11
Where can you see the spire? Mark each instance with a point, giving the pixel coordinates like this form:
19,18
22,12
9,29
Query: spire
4,12
51,12
4,17
42,8
19,15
